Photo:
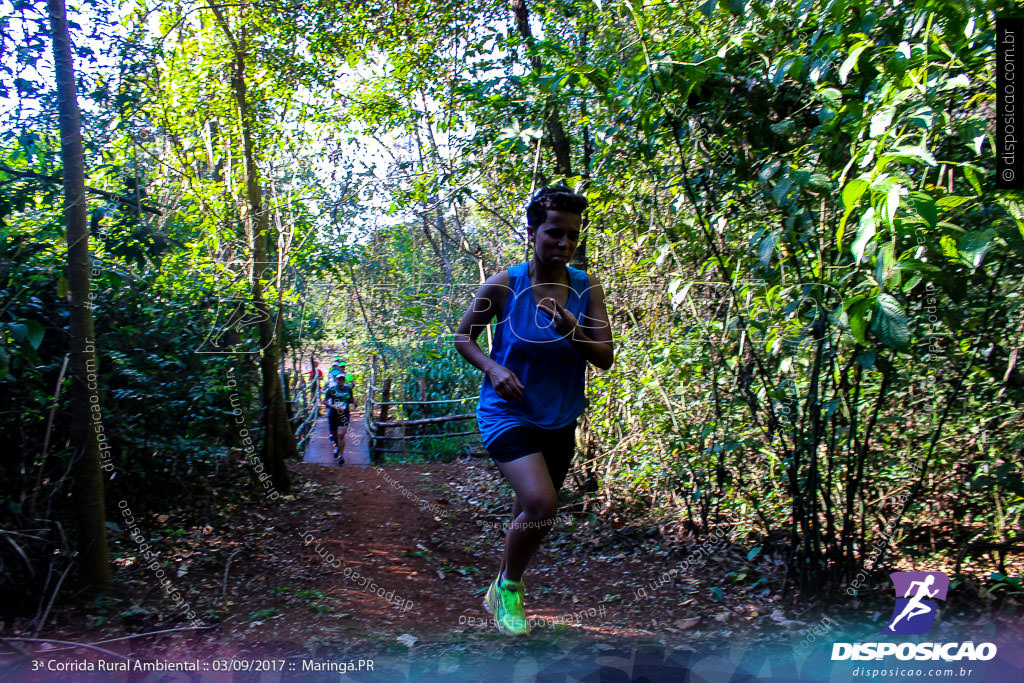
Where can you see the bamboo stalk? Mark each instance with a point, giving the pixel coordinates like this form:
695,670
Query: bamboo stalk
49,431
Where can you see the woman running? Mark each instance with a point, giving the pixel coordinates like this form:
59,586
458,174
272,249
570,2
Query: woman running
551,321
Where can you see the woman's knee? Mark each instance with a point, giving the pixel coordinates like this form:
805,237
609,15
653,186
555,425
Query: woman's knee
541,506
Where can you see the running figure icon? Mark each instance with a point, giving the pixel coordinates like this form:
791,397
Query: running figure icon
915,609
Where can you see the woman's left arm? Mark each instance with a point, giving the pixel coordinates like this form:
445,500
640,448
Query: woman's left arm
594,338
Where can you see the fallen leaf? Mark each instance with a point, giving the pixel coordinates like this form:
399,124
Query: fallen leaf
683,624
779,618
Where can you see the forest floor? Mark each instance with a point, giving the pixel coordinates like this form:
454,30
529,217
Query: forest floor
389,563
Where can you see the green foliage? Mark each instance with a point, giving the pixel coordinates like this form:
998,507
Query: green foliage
812,281
175,377
784,209
438,373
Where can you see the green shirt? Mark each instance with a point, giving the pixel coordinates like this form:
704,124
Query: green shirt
336,394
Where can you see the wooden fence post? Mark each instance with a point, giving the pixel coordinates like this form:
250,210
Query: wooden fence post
371,427
386,396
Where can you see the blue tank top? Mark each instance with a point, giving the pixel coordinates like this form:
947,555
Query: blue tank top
548,366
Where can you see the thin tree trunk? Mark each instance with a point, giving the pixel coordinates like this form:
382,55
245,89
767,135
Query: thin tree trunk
560,144
579,258
278,440
438,251
87,487
366,318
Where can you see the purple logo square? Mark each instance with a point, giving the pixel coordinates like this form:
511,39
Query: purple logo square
914,612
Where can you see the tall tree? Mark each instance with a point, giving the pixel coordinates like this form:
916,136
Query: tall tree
279,440
560,143
88,476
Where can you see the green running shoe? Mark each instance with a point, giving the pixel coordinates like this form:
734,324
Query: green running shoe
504,600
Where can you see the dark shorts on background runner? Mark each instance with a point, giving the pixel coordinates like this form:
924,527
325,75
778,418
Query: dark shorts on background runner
557,446
334,420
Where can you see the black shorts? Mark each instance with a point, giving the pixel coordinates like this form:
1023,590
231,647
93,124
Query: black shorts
336,419
557,446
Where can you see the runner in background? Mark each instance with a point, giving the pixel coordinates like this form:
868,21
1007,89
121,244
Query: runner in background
348,396
315,373
337,367
337,413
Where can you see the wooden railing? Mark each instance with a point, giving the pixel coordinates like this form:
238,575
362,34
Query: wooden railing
376,426
305,407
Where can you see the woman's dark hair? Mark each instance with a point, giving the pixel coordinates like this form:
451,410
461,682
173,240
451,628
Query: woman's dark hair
557,198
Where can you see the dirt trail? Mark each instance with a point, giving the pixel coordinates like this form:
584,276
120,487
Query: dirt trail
389,563
360,561
406,549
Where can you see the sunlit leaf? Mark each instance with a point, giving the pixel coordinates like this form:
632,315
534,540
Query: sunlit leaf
865,231
889,323
851,60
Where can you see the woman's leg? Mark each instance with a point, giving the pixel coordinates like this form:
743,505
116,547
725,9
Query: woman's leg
516,510
558,454
538,501
332,423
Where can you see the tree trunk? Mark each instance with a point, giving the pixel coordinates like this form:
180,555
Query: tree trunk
278,439
87,486
560,144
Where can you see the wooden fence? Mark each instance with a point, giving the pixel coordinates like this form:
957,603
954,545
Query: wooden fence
377,424
303,399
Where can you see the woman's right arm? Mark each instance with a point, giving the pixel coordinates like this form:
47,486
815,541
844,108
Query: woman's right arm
487,304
